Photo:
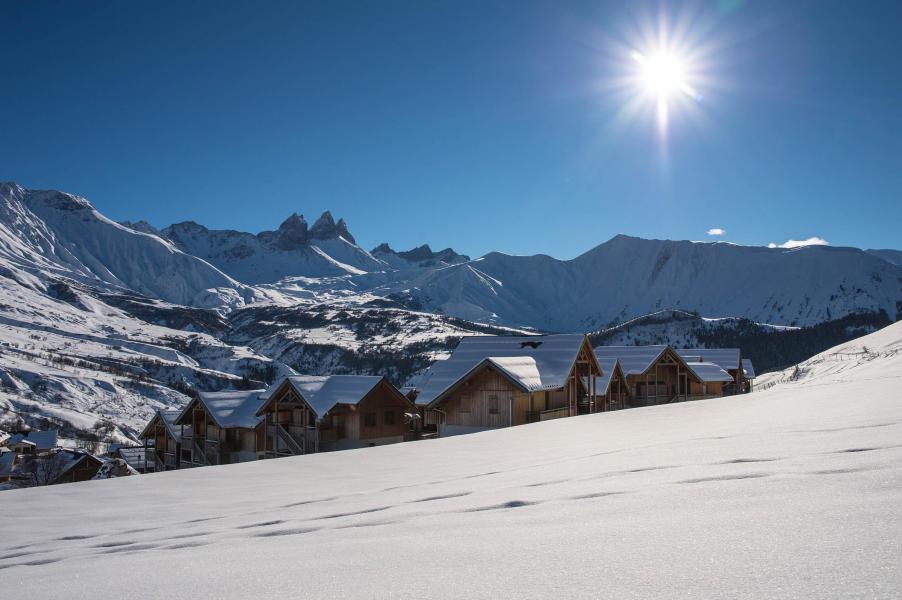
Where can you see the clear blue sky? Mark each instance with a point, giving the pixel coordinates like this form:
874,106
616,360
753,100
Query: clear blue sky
478,125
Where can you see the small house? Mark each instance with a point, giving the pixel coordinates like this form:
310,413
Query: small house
501,381
220,428
162,439
728,359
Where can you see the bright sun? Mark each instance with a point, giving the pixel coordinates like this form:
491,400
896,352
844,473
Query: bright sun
663,75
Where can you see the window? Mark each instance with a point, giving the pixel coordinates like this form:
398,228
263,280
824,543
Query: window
389,417
493,404
369,419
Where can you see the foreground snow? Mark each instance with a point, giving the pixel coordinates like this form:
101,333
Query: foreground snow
791,492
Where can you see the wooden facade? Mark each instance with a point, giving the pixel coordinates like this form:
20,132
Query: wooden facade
667,379
288,426
487,397
206,443
163,445
381,417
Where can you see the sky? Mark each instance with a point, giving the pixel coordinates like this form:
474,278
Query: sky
523,127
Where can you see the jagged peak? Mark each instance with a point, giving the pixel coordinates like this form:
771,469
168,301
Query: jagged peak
383,248
326,228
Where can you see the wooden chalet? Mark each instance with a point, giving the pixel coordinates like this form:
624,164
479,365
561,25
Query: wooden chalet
500,381
658,374
304,414
611,391
162,442
728,359
220,428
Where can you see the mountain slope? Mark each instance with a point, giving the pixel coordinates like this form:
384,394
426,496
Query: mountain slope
48,233
627,276
792,492
326,249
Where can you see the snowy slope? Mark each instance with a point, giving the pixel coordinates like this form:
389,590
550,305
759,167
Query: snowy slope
792,492
890,256
52,233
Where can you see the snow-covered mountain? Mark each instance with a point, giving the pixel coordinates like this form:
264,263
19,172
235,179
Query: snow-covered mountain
890,256
326,249
62,235
103,322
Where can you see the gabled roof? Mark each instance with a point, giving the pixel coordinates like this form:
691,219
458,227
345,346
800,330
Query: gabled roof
323,393
134,457
709,372
609,366
726,358
535,362
229,409
169,419
634,360
747,368
42,440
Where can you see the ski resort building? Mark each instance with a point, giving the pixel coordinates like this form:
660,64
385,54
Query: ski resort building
220,428
658,374
728,359
490,382
303,414
162,438
611,391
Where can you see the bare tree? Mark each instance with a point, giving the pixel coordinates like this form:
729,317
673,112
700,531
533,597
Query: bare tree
47,468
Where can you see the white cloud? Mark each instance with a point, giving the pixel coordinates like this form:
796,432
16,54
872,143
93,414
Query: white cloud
716,231
812,241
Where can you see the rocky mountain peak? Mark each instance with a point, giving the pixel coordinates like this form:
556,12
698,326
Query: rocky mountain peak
326,228
292,233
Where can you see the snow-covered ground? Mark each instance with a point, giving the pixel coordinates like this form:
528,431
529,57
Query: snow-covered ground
791,492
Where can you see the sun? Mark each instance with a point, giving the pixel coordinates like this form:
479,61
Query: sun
663,75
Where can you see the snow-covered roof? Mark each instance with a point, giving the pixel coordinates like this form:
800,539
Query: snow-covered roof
727,358
535,362
709,372
747,368
232,408
20,440
322,393
634,360
169,418
42,440
608,367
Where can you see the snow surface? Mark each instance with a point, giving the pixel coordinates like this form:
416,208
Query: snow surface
791,492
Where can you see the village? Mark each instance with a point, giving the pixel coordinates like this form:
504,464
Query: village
487,382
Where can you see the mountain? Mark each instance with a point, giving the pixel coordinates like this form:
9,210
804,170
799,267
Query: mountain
420,257
326,249
101,323
891,256
627,276
49,233
790,492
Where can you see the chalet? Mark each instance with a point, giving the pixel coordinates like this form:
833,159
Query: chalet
500,381
32,442
220,428
59,465
162,443
728,359
303,414
658,374
136,458
611,392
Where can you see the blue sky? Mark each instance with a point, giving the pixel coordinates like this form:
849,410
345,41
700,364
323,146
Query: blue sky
478,125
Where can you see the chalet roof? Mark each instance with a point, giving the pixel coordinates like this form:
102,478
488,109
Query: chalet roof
726,358
232,408
709,372
608,367
535,362
747,368
42,440
19,439
634,360
323,393
169,418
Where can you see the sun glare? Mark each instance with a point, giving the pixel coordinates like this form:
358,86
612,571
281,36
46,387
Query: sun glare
662,75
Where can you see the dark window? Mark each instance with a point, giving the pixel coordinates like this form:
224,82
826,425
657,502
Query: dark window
389,418
369,419
493,404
